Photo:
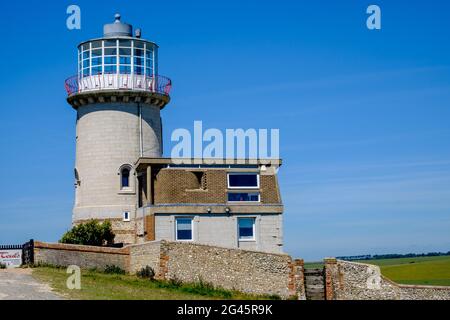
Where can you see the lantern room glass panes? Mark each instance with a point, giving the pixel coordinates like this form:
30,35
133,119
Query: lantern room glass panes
122,56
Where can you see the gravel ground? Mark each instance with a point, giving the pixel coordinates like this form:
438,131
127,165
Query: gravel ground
18,284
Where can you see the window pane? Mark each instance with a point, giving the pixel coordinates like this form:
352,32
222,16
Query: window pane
245,197
110,60
97,53
97,70
110,43
149,53
110,52
125,60
139,52
110,69
96,44
243,180
86,63
139,44
148,72
124,43
125,178
86,54
96,61
125,69
138,70
184,229
246,227
86,72
139,61
124,52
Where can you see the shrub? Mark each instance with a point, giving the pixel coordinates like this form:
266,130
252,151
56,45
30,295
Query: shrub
146,273
175,283
114,270
91,233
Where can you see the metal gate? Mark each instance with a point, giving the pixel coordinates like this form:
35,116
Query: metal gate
28,253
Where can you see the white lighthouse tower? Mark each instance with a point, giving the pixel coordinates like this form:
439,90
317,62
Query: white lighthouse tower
117,94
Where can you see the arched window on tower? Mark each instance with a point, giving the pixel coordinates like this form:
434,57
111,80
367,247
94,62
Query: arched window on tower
125,178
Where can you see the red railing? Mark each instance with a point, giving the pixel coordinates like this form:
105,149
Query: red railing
157,84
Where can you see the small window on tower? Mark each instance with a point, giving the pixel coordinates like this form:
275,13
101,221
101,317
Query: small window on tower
125,178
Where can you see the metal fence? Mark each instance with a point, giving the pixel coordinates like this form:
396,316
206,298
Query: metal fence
158,84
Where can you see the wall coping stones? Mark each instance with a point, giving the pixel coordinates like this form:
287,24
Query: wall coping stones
81,248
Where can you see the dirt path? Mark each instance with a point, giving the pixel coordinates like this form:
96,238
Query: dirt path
18,284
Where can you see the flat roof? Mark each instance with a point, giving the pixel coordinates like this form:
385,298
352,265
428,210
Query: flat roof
143,161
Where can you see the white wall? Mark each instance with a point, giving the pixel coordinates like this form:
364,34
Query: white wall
222,230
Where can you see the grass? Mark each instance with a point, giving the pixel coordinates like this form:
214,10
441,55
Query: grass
314,265
97,285
421,270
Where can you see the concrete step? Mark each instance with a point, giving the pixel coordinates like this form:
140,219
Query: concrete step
313,272
316,297
313,278
315,287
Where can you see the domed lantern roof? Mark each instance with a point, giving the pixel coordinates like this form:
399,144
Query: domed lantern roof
117,29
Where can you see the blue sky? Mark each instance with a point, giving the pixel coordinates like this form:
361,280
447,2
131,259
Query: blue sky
364,115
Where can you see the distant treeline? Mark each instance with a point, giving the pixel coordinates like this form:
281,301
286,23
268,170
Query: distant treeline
394,256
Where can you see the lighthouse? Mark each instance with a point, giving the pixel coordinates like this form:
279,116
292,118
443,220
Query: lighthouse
118,96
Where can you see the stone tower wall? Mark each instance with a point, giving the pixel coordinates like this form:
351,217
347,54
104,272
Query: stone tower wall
108,137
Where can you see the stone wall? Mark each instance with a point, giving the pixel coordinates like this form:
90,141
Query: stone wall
145,254
358,281
82,256
107,137
246,271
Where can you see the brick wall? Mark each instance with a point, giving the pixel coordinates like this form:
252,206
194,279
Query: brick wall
269,189
358,281
182,186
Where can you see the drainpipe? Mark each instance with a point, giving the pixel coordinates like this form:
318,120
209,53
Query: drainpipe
141,138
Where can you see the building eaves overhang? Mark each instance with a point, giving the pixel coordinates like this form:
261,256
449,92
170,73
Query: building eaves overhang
144,162
118,37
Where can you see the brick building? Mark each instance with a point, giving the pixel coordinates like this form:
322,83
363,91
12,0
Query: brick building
121,176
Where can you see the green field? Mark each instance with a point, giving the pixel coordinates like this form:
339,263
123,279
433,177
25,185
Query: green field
422,270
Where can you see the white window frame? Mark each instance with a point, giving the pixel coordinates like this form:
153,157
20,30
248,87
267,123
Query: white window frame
252,192
241,174
126,219
192,229
87,47
254,229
